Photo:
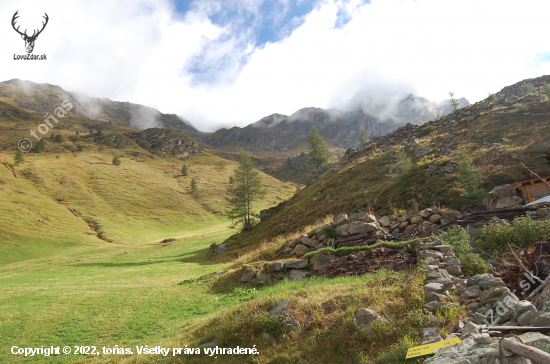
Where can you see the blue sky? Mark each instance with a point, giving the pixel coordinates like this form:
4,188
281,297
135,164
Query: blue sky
232,62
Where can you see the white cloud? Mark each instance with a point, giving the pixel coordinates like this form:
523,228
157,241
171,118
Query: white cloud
139,52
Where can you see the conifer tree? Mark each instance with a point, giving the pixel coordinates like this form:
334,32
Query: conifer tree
116,160
19,157
246,188
455,104
363,139
39,146
184,170
193,184
318,153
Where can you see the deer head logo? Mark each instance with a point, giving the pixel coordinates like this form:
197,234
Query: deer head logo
29,40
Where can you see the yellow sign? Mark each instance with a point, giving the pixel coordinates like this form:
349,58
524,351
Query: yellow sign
429,349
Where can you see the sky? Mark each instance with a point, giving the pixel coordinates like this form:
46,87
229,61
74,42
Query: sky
232,62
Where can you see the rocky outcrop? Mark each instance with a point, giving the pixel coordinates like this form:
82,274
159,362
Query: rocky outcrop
502,197
482,349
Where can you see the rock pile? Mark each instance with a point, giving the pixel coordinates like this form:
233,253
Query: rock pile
359,229
264,273
408,223
494,304
445,272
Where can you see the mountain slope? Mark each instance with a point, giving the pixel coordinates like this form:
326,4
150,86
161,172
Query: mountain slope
279,133
44,98
501,132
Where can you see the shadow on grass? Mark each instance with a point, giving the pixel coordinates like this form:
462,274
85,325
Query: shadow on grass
196,257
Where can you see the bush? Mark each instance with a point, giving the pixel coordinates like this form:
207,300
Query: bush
523,231
459,240
331,232
491,98
58,138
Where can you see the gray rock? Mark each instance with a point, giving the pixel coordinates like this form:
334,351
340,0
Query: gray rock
280,307
384,221
451,214
261,278
297,274
470,327
440,273
527,318
454,270
435,297
445,282
542,319
477,279
483,339
275,266
340,220
416,219
297,264
443,248
470,293
248,276
307,241
492,283
357,227
449,168
433,306
366,318
473,306
430,335
220,249
492,296
318,230
433,287
435,218
301,250
321,259
289,323
523,306
431,254
509,202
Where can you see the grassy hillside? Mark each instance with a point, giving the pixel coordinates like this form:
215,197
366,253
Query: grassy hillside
92,253
499,133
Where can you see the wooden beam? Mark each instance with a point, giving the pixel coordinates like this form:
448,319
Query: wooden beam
535,355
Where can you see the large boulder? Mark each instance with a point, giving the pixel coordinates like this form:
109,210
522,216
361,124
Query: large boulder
502,197
340,220
301,249
356,227
307,241
296,264
321,259
509,202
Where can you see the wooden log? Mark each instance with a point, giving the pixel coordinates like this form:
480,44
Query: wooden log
529,352
518,328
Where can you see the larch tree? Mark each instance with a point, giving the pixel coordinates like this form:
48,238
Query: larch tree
246,188
318,152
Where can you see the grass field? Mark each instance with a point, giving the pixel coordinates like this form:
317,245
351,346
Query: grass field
107,298
83,255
